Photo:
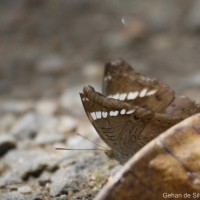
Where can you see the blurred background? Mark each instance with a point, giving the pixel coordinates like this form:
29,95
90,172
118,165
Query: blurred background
50,49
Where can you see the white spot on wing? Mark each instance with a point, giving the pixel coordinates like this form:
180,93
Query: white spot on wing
98,115
104,114
151,92
123,111
132,95
143,92
107,78
130,111
114,113
122,96
93,115
116,96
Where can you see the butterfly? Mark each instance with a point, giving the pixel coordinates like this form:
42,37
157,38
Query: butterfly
132,109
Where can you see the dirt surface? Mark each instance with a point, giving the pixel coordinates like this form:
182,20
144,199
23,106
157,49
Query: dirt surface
49,51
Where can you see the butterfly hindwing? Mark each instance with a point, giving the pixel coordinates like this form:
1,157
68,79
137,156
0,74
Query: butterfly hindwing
123,83
182,107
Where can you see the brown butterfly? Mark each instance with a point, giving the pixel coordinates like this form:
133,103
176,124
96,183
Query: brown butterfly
133,109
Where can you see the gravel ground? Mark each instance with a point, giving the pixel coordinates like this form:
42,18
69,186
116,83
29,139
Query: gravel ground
49,51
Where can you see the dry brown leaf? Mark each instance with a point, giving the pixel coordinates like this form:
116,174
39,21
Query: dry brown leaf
166,168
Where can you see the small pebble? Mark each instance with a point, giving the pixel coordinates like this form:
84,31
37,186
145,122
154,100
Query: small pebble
46,107
25,189
66,124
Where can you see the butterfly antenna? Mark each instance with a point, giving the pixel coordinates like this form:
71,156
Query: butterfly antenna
62,148
91,141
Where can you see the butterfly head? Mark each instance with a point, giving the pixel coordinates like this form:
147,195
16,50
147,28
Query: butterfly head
121,158
110,154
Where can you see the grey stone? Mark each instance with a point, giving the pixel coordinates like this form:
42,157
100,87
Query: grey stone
65,181
66,124
44,178
192,20
15,106
75,177
46,107
51,64
25,163
25,189
61,197
116,40
49,138
70,100
77,142
7,142
92,70
14,195
27,126
6,122
9,178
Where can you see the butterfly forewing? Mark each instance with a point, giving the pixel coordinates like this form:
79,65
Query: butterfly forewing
119,128
99,117
123,83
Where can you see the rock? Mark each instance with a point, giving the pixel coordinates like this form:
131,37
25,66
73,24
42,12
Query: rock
160,14
6,122
46,107
29,163
61,197
25,189
65,181
27,126
49,138
48,123
92,70
15,106
136,29
51,64
116,40
9,178
79,143
44,178
13,195
70,100
192,20
7,142
66,124
74,178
